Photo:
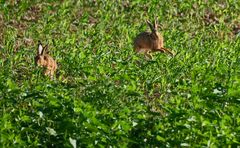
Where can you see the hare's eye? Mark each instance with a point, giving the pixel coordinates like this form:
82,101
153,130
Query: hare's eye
45,58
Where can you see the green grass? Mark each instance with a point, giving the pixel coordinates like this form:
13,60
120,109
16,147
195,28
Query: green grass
104,93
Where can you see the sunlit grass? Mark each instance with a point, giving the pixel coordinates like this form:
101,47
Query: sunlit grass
104,94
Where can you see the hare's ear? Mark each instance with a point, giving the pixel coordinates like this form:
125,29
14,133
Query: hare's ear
45,49
155,24
151,26
40,48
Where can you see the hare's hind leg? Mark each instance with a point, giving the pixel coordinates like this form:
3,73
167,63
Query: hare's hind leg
159,50
148,55
168,51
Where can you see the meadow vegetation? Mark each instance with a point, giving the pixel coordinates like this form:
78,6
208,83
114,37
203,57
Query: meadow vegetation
106,95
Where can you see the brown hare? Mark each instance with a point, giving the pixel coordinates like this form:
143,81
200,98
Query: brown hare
44,60
147,42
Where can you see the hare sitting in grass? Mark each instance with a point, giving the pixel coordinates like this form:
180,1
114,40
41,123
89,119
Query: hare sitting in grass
44,60
147,42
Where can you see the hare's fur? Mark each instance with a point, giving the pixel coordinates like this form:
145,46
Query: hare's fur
44,60
147,42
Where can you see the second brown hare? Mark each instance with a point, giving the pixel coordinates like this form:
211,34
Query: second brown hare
45,60
147,42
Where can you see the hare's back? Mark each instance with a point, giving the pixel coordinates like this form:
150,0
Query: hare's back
51,63
143,37
143,41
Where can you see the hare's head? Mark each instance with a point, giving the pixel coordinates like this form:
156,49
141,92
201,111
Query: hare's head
156,37
154,28
40,59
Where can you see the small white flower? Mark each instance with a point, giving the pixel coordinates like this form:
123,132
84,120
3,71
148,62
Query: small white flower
185,144
51,131
216,91
73,142
40,114
193,118
134,123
